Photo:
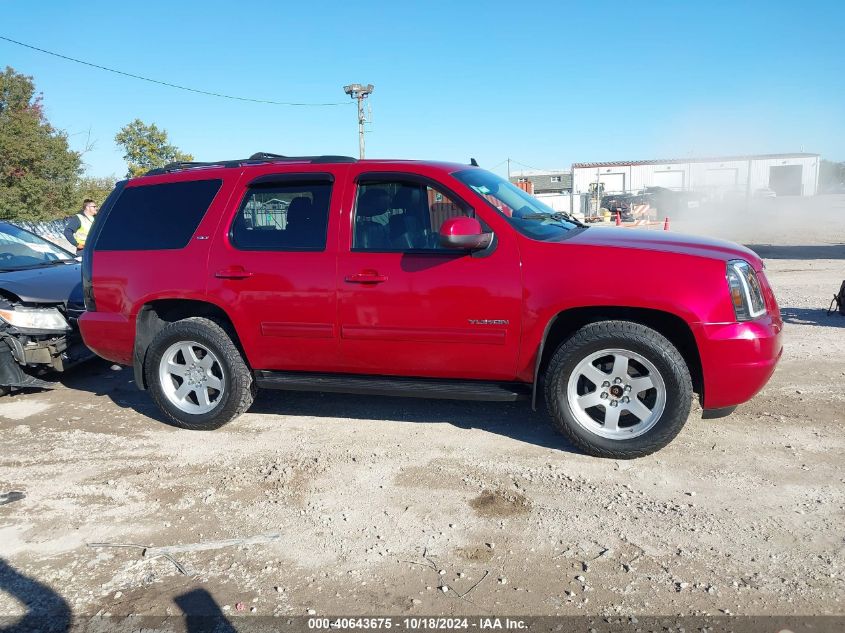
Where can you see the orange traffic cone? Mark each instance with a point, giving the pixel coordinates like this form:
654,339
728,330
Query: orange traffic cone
666,224
618,219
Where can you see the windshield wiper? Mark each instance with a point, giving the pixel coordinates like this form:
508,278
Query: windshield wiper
52,262
576,221
563,215
557,215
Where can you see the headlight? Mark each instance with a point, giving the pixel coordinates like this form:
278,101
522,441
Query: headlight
35,318
746,295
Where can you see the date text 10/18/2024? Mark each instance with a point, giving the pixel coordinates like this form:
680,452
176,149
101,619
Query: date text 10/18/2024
419,623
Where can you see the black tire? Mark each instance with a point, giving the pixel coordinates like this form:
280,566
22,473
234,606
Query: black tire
627,336
239,387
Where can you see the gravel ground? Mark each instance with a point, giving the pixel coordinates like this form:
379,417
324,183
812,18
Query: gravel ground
392,506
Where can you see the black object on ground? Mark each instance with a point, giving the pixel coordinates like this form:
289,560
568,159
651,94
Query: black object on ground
11,497
838,301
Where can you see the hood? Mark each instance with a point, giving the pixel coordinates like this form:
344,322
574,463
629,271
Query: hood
665,241
56,284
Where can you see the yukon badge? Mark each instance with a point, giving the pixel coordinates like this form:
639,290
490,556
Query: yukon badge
488,321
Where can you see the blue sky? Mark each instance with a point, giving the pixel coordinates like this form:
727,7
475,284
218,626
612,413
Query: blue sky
544,83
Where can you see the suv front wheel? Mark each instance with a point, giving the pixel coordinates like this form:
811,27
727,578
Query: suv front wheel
197,376
618,389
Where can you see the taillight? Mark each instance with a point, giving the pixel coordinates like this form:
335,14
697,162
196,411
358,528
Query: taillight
87,274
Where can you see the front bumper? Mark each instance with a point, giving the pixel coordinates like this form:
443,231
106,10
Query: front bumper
737,359
57,353
36,355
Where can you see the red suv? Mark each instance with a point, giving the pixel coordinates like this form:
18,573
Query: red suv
422,279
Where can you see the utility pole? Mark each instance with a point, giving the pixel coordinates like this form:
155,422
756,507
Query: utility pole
360,92
509,169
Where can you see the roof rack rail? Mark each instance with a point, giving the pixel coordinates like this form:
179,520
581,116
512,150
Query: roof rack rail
255,159
332,159
177,166
265,156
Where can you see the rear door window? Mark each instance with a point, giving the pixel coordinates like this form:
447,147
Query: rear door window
157,217
283,216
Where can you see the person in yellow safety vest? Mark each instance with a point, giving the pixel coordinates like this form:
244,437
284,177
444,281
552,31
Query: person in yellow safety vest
77,226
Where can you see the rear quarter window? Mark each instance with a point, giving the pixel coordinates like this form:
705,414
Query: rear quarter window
157,217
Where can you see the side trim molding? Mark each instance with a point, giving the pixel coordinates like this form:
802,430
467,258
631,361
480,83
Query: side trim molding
297,330
483,336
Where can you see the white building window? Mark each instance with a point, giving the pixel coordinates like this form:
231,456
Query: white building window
555,178
522,179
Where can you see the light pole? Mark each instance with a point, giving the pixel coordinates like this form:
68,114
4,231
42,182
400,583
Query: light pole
359,92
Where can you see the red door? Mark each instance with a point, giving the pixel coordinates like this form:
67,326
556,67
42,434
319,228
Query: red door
408,307
273,267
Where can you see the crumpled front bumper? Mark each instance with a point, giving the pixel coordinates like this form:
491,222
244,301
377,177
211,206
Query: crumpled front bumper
38,354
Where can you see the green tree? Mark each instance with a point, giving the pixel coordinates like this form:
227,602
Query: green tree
94,187
146,147
38,171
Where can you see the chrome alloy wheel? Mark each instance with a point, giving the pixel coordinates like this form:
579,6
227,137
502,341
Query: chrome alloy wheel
191,377
616,394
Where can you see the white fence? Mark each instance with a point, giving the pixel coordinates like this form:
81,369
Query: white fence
52,231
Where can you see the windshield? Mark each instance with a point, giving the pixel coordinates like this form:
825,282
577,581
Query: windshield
21,249
525,213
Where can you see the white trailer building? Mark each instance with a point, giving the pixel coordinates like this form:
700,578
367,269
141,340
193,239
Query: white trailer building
785,174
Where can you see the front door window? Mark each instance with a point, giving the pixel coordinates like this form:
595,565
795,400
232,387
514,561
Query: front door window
402,216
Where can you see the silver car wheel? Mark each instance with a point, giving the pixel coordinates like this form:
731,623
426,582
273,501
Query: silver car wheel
616,394
191,377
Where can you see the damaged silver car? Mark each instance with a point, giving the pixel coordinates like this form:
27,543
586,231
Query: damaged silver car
40,301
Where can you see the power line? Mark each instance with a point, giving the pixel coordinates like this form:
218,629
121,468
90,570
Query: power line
534,168
500,163
170,85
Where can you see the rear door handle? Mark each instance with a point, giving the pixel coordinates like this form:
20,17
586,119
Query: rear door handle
233,272
367,277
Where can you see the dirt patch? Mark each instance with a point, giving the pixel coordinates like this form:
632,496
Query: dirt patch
499,503
438,474
480,554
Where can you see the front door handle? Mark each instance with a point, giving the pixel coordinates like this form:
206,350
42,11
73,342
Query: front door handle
233,272
366,277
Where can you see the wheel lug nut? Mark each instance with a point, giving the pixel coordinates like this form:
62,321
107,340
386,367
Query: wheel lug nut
603,395
614,403
627,387
605,384
626,400
617,381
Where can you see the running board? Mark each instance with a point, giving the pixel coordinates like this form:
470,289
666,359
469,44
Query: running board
390,386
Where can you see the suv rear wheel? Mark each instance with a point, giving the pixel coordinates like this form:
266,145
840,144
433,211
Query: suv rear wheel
197,376
618,389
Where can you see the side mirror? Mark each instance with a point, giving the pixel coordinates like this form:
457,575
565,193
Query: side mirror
463,233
